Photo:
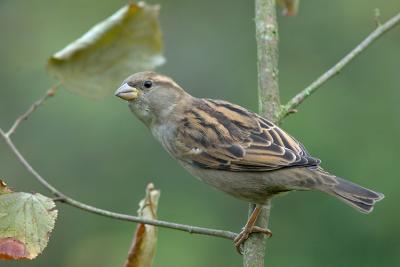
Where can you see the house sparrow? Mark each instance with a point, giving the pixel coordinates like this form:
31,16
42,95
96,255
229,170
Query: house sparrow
231,148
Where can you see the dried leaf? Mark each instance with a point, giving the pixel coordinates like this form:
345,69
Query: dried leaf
127,42
3,188
144,242
26,221
290,7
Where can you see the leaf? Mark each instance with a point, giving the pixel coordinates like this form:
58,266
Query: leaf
26,221
127,42
290,7
144,243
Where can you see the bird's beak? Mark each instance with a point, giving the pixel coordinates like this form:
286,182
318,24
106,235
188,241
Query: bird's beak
127,93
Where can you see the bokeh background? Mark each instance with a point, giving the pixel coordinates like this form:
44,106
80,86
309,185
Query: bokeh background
97,152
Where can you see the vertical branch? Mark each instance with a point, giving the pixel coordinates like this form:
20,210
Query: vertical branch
269,105
267,58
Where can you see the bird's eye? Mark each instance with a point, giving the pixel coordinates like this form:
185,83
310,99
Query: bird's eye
147,84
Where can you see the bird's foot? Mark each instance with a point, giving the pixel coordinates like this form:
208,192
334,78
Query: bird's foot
245,233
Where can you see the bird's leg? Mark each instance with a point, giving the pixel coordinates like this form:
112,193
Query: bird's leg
250,228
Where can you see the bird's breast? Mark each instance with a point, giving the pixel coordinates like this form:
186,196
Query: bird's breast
165,134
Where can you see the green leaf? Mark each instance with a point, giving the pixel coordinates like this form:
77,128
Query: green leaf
26,221
127,42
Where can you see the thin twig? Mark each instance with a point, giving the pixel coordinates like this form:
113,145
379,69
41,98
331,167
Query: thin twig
30,169
32,108
72,202
373,36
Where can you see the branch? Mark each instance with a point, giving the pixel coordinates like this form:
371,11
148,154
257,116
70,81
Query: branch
267,58
269,104
51,92
290,106
59,196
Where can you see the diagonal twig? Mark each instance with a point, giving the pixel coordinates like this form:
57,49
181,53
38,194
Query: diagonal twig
312,88
120,216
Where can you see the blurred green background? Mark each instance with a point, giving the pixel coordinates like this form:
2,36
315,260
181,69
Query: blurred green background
97,152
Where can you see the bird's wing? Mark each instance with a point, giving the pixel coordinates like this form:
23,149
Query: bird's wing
216,134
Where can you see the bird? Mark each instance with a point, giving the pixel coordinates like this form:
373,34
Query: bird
233,149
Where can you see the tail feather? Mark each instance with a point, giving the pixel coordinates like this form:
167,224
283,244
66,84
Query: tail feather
358,197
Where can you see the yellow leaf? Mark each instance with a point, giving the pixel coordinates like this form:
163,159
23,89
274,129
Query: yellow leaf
127,42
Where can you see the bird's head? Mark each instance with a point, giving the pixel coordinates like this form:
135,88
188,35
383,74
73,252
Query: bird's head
152,97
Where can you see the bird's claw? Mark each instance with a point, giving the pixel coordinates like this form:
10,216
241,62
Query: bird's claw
245,233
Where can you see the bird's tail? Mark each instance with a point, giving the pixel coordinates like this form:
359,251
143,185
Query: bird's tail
358,197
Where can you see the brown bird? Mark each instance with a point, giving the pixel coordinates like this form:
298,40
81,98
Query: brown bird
231,148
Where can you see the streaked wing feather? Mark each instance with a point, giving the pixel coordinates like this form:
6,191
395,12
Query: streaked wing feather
216,134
